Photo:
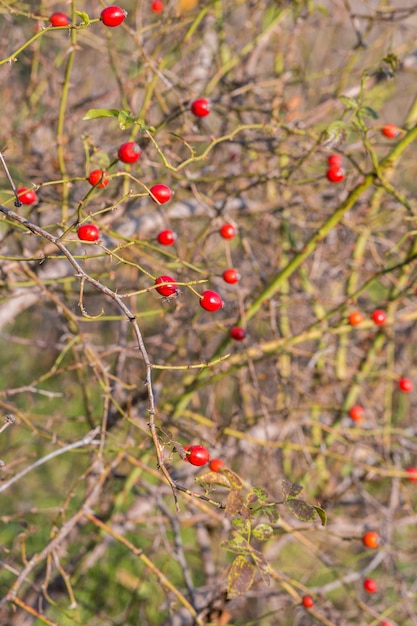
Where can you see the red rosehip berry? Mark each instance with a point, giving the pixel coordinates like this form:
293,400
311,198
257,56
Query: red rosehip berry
405,384
412,474
379,316
335,174
26,195
238,333
167,237
355,318
99,178
370,585
386,623
231,276
391,131
129,152
370,539
216,465
227,231
157,6
160,193
356,413
168,289
201,107
59,19
113,16
88,232
335,160
197,455
308,602
211,301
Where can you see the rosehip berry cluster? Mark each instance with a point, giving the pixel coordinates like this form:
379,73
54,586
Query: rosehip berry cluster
335,172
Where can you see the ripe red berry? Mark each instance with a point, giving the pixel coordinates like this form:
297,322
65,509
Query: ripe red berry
197,455
356,412
370,539
405,384
391,131
335,160
129,152
211,301
160,193
113,16
59,19
157,6
231,276
26,195
238,333
167,237
370,585
201,107
335,174
379,316
412,474
355,318
99,178
227,231
216,465
385,623
308,602
168,289
88,232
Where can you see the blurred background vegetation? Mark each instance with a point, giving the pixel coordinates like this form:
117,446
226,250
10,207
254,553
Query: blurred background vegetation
289,83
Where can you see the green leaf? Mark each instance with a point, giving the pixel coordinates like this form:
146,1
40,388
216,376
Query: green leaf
271,512
238,545
93,114
302,510
334,135
350,103
125,119
322,514
368,112
261,493
290,490
240,578
242,525
263,532
83,16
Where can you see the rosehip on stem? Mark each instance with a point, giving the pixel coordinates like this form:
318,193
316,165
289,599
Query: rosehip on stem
88,232
356,413
160,193
168,289
355,318
335,174
166,237
197,455
99,178
113,16
211,301
26,195
227,231
59,19
201,107
129,152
